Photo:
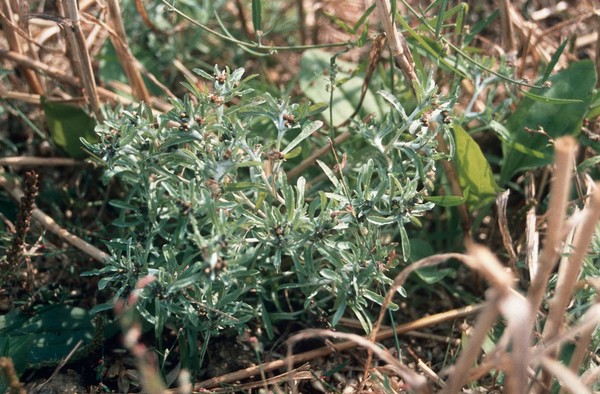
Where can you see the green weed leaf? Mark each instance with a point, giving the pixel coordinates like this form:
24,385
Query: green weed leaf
574,83
68,124
46,337
473,170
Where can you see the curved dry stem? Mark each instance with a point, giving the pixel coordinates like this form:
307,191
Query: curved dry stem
415,381
561,186
567,278
28,161
326,350
485,320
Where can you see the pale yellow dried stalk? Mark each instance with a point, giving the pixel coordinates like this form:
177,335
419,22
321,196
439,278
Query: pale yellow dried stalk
83,64
124,53
398,47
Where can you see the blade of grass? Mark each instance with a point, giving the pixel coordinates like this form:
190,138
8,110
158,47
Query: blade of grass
461,53
424,45
440,19
257,16
363,18
554,60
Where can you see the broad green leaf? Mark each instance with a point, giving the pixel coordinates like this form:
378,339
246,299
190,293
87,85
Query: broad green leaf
504,136
594,111
68,124
473,170
316,109
574,83
421,249
592,162
46,337
17,349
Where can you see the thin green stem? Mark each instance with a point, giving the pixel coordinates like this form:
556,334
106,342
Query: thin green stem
256,45
459,51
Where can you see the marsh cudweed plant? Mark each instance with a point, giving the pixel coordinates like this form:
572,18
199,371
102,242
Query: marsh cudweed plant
206,207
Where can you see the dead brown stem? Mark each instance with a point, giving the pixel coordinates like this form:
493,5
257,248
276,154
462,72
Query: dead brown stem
84,64
507,30
7,369
73,81
398,282
583,342
532,237
310,160
326,350
415,381
507,241
398,47
567,275
23,161
7,18
561,185
485,320
124,53
301,21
